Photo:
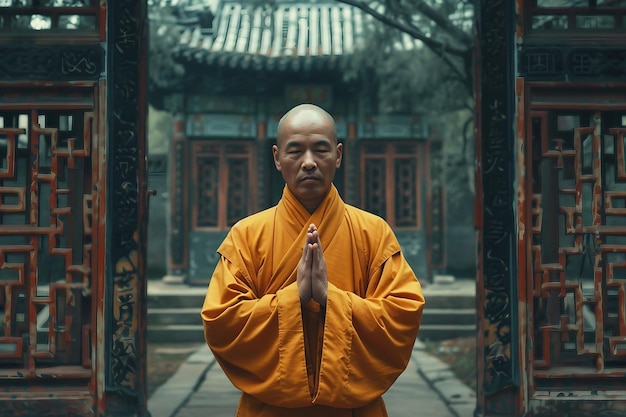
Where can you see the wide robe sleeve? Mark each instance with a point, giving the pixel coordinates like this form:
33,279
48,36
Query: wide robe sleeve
258,341
368,340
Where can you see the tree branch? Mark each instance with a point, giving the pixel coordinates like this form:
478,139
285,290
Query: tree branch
440,48
444,23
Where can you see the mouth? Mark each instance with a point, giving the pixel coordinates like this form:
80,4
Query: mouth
310,178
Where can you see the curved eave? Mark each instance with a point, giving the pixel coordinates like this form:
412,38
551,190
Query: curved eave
247,61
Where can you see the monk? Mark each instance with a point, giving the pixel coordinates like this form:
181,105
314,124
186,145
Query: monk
312,309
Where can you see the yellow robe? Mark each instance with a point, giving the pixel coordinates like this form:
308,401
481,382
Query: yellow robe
312,361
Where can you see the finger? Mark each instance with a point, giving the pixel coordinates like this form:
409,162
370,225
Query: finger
310,256
318,241
305,249
315,255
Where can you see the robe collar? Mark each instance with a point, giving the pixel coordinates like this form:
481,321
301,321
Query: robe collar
293,220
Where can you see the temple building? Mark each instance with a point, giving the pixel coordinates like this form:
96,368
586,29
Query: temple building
244,67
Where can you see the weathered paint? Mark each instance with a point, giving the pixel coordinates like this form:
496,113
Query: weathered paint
569,336
496,305
125,296
523,243
76,212
178,250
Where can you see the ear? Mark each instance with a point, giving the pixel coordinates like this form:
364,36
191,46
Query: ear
276,160
339,155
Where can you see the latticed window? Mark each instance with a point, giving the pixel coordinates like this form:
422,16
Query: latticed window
576,16
46,213
49,15
578,262
223,186
390,181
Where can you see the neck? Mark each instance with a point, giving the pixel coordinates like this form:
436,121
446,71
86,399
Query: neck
310,207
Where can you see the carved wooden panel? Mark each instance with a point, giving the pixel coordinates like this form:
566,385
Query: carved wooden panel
436,213
207,189
558,17
178,185
46,201
224,190
497,365
578,248
390,185
237,206
72,236
375,200
572,63
405,181
124,345
30,16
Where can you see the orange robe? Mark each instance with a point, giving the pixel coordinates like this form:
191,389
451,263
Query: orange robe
336,360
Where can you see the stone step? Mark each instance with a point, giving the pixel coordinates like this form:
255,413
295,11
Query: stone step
179,333
175,300
173,316
182,300
188,333
434,332
174,312
189,315
184,325
444,316
192,300
459,294
437,300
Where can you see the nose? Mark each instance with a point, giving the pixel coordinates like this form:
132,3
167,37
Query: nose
308,161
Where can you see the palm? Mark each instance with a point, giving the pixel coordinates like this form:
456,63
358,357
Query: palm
312,278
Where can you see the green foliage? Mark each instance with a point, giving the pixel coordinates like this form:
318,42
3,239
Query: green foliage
160,131
164,71
456,127
418,57
414,81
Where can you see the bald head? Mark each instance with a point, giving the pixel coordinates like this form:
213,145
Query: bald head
307,153
305,114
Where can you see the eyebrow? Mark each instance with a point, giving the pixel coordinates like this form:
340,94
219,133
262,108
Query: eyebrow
320,142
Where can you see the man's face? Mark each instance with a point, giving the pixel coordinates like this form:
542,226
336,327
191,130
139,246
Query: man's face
307,155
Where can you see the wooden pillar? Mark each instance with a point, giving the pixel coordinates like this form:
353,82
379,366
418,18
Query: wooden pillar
496,296
177,245
351,158
263,162
124,345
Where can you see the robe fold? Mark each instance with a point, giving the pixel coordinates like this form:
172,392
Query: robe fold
312,360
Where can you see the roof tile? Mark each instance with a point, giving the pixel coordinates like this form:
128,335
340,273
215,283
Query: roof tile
243,35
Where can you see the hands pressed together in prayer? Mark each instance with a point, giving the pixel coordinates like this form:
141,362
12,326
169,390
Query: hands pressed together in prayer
312,276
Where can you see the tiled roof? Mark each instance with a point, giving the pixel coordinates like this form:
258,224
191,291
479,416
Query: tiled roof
290,36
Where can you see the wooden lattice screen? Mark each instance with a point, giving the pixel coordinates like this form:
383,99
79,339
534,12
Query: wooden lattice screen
390,186
578,247
47,181
73,207
223,193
